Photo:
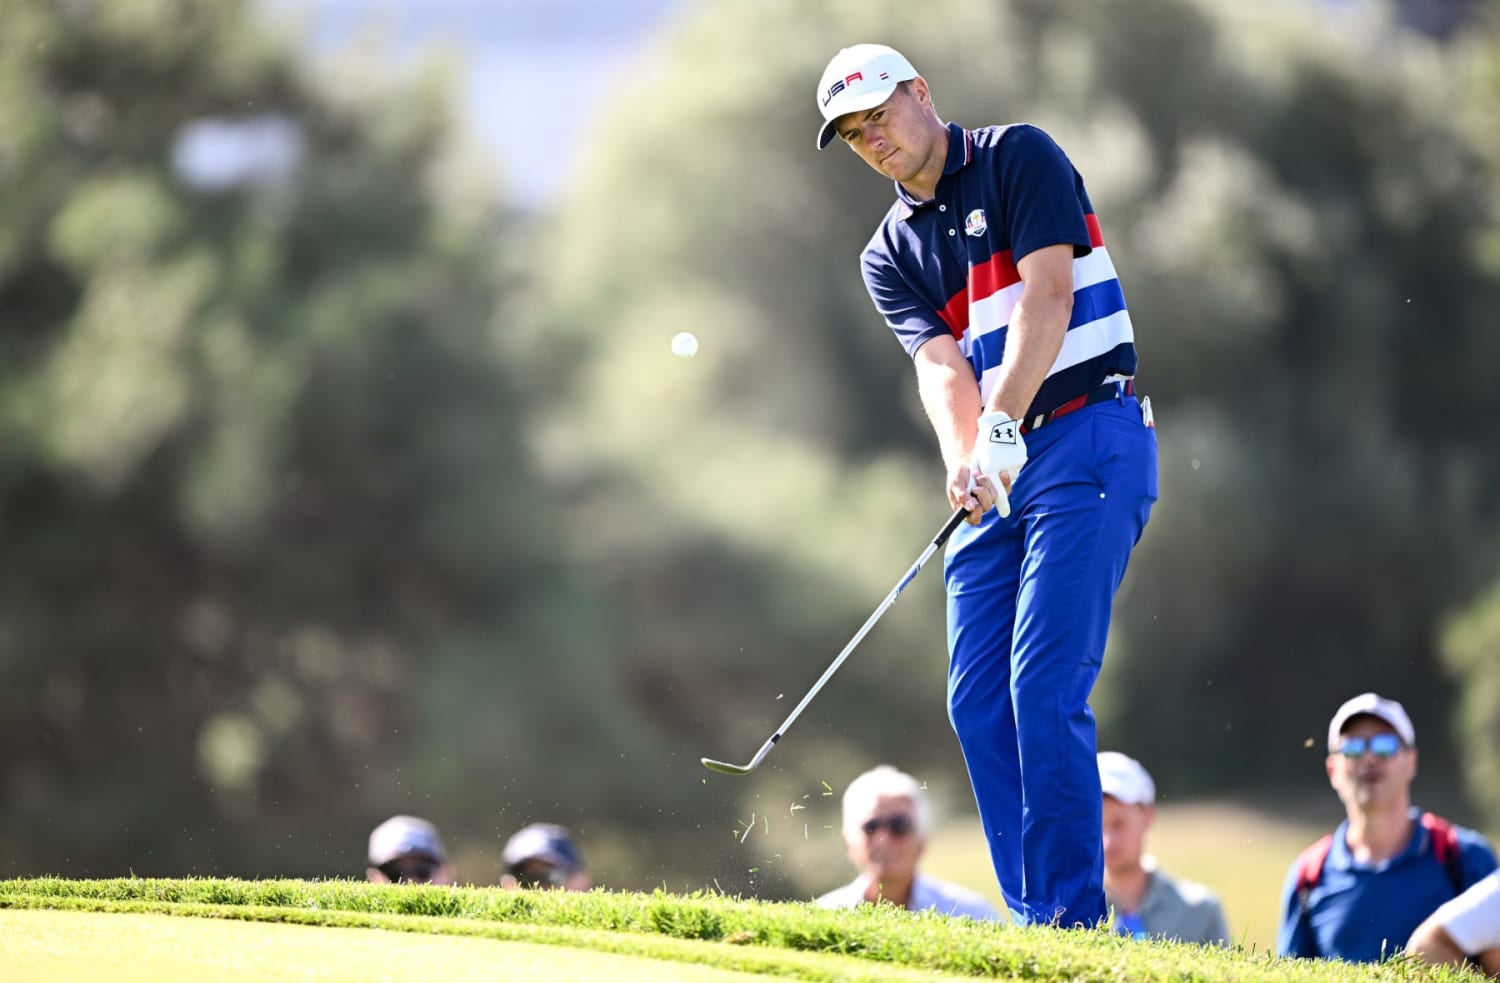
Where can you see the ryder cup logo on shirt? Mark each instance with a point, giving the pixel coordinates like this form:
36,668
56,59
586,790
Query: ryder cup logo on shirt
975,224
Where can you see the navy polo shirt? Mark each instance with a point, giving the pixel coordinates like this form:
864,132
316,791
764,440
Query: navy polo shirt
948,266
1363,913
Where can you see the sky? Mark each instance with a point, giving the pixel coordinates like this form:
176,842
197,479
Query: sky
535,69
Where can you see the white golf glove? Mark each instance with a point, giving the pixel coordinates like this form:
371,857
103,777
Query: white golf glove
999,448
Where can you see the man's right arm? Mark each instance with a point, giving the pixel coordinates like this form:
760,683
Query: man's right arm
950,395
945,379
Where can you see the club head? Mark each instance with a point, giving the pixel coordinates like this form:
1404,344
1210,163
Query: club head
725,768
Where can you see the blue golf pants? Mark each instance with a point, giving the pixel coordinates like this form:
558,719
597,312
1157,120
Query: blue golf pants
1029,600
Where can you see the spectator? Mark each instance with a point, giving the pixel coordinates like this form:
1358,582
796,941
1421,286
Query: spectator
408,850
543,855
886,822
1146,902
1468,927
1361,892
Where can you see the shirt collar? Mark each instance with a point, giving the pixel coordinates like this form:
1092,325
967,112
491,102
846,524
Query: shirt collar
960,152
1342,858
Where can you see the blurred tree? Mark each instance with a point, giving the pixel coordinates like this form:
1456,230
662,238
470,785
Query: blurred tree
264,493
315,508
1471,648
1471,640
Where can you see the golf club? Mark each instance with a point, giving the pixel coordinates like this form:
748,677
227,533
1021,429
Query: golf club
765,749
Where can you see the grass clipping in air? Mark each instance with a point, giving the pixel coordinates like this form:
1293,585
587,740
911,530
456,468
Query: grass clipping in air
793,940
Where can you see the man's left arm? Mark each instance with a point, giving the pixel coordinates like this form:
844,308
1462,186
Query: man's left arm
1037,328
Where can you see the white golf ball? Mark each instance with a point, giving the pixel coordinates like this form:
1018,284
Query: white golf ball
684,344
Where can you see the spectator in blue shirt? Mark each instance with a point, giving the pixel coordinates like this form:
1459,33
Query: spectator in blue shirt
1359,894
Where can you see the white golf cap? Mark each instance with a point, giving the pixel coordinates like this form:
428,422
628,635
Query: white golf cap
859,77
405,836
1123,778
1372,705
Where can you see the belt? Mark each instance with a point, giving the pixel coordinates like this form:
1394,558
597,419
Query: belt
1110,390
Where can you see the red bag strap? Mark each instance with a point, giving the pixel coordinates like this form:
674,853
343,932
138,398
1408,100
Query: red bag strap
1445,848
1310,868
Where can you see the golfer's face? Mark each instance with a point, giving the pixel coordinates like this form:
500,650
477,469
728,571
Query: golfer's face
886,844
892,137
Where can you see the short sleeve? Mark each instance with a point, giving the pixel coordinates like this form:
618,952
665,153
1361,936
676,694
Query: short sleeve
913,320
1044,198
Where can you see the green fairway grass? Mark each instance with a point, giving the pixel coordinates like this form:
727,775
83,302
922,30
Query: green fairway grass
53,929
67,946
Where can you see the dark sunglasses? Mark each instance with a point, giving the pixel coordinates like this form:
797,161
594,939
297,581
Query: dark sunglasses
896,825
409,870
1380,745
541,876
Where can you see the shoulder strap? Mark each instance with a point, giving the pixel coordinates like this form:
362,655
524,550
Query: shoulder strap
1444,837
1310,869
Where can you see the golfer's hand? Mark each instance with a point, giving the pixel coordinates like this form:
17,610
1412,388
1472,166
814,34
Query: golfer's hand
999,454
975,492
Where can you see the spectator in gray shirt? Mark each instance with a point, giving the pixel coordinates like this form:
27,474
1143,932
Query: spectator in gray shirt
1145,901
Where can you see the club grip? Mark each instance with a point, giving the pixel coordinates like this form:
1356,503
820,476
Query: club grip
948,527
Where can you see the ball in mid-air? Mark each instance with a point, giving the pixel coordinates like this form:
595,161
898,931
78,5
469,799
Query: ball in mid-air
684,344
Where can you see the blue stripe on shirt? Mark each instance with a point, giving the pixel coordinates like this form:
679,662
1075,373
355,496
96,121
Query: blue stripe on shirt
1089,305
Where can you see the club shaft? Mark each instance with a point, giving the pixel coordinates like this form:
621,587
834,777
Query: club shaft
932,547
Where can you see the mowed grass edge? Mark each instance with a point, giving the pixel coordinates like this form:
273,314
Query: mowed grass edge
785,939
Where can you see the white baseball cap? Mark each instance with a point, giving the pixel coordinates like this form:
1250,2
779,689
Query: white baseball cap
405,836
859,77
1123,778
1373,705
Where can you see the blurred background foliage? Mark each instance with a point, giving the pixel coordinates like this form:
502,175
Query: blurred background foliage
333,484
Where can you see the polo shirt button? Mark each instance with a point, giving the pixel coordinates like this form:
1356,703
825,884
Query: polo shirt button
951,232
942,208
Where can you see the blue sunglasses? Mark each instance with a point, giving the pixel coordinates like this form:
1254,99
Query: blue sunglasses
1380,745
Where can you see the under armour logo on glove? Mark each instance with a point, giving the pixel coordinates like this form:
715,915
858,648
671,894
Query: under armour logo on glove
1003,433
1004,453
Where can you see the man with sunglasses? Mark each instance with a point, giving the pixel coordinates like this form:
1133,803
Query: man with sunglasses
886,821
1358,894
543,855
408,850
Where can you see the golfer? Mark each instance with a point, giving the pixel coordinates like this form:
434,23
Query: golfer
991,269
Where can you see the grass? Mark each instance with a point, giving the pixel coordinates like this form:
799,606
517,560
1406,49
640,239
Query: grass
65,946
794,941
1242,853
